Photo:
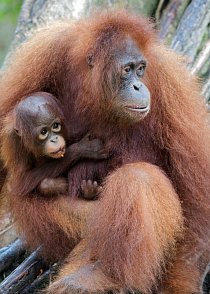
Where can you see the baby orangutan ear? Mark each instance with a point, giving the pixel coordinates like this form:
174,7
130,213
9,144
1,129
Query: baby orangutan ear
17,131
90,59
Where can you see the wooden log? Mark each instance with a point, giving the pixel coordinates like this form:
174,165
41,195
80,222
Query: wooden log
42,280
23,275
10,253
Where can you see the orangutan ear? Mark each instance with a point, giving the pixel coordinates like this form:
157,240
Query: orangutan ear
17,131
90,59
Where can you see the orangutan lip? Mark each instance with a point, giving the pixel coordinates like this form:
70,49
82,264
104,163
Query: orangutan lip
62,150
138,108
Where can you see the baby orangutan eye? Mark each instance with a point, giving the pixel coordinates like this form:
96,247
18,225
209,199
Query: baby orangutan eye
56,127
43,134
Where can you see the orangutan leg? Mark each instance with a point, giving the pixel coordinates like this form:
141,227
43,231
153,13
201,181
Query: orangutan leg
186,273
80,273
55,224
133,228
182,279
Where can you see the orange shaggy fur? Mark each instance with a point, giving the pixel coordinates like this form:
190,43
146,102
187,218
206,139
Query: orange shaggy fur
156,181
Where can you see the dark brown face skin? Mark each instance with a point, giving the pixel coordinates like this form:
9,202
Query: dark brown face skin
133,96
43,122
48,134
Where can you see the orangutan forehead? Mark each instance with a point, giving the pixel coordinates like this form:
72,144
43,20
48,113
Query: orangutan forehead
41,114
128,51
45,114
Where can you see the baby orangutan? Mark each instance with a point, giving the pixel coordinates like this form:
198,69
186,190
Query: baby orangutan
39,129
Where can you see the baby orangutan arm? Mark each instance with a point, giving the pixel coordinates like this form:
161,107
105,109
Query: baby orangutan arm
85,148
58,186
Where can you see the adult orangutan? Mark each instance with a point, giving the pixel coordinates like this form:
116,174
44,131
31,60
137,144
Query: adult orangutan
149,231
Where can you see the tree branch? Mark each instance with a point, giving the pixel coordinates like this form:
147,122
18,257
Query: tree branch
192,28
203,56
171,17
206,91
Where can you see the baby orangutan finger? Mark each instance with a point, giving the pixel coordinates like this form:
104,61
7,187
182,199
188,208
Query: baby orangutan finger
95,184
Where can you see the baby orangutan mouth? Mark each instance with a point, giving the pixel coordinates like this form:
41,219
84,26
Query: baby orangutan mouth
58,153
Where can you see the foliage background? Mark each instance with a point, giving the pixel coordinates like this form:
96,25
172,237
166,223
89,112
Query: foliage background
9,12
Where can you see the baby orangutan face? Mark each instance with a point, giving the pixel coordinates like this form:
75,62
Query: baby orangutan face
49,136
39,123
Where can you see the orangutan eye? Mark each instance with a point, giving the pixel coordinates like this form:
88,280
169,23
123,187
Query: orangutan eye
56,127
140,70
43,134
126,70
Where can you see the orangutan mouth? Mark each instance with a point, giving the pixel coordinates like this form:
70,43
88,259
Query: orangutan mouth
141,109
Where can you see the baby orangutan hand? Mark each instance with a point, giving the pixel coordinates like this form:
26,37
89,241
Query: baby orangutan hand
91,148
90,189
